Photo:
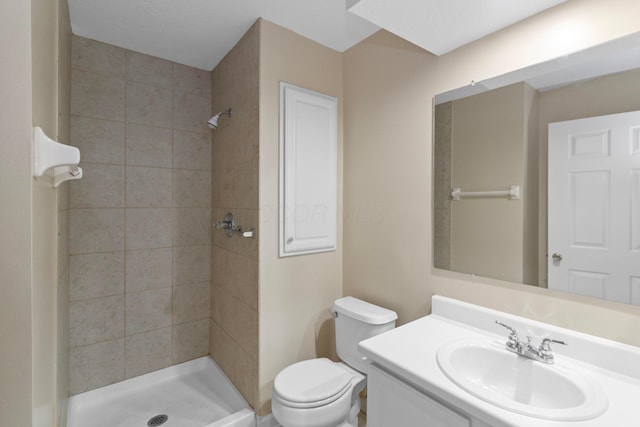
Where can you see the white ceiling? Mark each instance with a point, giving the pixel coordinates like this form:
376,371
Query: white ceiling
200,32
441,26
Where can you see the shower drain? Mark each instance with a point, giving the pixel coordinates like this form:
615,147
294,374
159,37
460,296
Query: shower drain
157,420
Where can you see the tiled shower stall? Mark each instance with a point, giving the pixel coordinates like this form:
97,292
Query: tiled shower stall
140,219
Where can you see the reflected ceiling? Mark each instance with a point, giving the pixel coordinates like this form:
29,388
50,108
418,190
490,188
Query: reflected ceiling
442,26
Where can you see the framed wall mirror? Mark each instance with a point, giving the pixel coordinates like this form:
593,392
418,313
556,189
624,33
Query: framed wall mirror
496,209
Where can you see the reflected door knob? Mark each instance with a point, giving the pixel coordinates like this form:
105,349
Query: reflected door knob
556,257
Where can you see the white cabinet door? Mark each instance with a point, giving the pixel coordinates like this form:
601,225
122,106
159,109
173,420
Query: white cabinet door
308,171
594,207
391,402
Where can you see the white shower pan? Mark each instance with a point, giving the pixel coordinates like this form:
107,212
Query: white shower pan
191,394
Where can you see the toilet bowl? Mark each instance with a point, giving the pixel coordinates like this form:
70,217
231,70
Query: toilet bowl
316,393
323,393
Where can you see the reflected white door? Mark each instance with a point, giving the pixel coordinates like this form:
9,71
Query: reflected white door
594,207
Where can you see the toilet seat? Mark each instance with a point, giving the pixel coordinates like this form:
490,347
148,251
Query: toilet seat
311,383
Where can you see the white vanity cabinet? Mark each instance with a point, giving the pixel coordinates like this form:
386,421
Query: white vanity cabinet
407,385
393,402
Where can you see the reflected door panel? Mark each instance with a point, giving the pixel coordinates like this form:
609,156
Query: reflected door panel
594,207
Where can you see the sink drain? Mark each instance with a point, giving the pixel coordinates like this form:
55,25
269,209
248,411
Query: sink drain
158,420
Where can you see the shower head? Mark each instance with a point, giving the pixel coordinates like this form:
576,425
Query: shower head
213,121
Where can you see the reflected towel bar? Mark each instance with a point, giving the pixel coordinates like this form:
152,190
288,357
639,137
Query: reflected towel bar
513,193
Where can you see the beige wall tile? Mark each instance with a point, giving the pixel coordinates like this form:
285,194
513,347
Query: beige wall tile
96,320
148,310
99,141
96,275
236,363
247,139
237,319
148,269
147,352
148,228
96,230
90,55
223,150
192,150
149,146
191,80
96,95
148,187
123,124
191,112
191,264
96,365
190,340
191,188
238,275
191,302
101,186
149,104
245,375
149,69
224,188
191,226
192,99
246,185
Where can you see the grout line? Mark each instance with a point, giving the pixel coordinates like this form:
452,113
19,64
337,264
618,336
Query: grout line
124,299
173,84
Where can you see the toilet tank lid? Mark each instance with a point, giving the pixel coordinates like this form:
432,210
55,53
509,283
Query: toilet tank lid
364,311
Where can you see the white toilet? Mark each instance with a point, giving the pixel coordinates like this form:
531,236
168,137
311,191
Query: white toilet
322,393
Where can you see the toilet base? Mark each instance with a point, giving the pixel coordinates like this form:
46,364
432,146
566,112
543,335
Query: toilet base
352,418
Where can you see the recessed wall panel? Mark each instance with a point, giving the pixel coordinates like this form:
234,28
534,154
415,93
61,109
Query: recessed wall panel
635,210
634,284
588,283
590,145
313,157
589,216
635,141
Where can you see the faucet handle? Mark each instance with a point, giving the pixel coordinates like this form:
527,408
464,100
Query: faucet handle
512,339
512,332
545,344
544,351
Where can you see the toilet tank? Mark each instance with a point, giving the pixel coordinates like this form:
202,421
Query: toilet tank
357,320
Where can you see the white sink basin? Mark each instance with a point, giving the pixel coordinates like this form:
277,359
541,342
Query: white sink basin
488,371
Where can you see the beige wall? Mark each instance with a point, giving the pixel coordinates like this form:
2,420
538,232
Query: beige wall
33,384
140,218
234,302
387,183
295,292
15,223
44,221
389,85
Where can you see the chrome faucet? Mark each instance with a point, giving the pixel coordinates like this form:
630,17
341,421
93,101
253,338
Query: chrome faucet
542,353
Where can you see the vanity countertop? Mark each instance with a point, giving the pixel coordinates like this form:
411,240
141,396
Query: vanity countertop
409,352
